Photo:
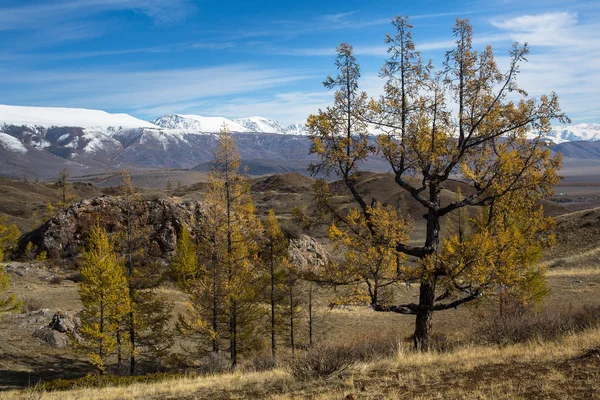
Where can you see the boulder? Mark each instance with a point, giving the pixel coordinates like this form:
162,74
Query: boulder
54,338
64,322
306,253
62,327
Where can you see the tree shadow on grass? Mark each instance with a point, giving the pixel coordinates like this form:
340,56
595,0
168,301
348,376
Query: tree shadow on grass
42,370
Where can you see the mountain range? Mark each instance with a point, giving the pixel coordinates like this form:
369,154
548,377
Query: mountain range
39,141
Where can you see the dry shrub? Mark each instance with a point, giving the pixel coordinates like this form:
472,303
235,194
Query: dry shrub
441,343
375,346
100,381
262,362
75,277
518,328
56,280
30,304
321,361
215,363
327,360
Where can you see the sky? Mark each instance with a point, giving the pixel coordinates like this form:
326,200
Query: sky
269,58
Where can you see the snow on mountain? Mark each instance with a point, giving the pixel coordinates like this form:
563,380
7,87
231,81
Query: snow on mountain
572,133
197,123
299,128
11,143
79,117
262,125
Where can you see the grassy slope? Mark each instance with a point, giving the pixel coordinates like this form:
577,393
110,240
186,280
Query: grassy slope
568,368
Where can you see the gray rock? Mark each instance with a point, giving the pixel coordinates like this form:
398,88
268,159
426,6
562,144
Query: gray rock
65,235
306,253
62,322
62,327
54,338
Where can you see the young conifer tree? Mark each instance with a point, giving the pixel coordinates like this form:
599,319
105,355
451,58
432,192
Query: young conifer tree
104,294
224,301
8,238
66,189
275,259
149,314
185,259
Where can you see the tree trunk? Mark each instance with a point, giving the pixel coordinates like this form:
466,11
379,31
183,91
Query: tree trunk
132,336
272,303
119,355
310,315
429,279
292,343
215,305
234,334
102,339
424,318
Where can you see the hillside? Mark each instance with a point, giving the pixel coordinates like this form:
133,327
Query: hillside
576,238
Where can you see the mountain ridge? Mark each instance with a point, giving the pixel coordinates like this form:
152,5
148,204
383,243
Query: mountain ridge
38,141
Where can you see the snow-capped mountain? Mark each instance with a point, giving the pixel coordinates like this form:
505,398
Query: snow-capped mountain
39,141
197,123
299,128
11,143
589,132
266,125
76,117
262,125
572,133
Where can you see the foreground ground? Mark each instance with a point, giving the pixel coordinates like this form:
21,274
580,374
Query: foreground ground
564,369
25,360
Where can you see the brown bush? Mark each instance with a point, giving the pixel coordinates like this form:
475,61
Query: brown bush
373,346
31,304
518,328
262,362
321,361
75,277
215,363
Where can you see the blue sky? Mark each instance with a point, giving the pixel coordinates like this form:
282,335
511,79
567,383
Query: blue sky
243,58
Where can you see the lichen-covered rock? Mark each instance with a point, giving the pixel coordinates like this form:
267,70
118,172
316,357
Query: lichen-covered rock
58,332
54,338
66,233
306,253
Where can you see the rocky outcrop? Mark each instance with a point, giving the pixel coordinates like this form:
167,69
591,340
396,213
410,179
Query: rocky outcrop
65,235
60,330
306,253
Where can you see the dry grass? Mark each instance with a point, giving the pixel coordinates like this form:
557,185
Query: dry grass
560,369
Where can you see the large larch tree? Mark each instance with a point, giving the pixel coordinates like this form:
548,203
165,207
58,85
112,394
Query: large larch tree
468,122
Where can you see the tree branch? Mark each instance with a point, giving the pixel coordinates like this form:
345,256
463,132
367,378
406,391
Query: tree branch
415,309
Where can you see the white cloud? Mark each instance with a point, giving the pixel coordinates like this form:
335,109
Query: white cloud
287,107
548,29
41,15
337,17
565,58
123,89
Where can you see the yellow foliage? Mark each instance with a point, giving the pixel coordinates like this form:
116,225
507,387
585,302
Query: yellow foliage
8,236
224,289
105,297
369,243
